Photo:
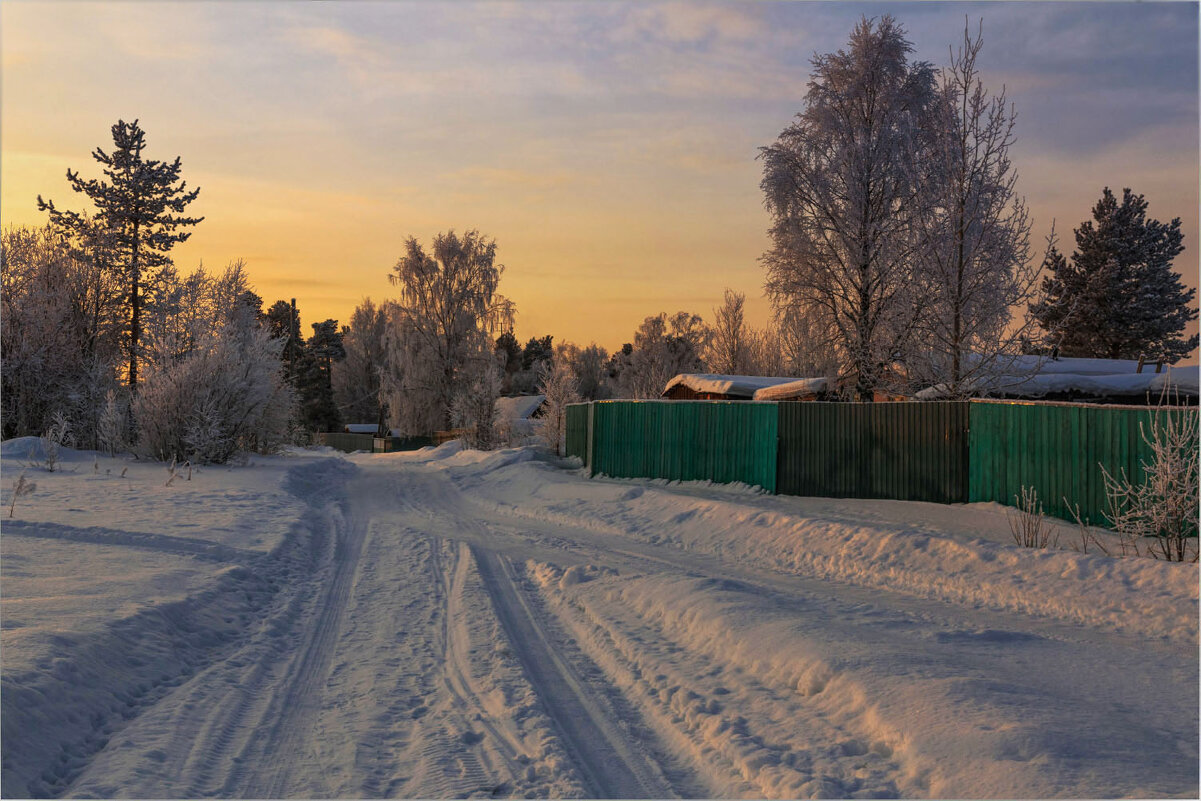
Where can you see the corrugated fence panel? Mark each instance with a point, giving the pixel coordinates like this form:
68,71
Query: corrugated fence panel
577,430
1057,449
346,442
686,441
906,451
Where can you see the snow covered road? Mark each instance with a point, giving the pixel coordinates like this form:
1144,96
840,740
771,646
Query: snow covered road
453,624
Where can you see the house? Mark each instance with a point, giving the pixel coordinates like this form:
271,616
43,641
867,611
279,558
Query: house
360,428
519,413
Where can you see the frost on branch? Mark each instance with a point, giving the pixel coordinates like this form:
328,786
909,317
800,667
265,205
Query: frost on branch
228,394
1163,508
558,383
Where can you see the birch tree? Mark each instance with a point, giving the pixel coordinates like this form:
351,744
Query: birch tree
557,382
843,194
356,378
442,327
975,262
731,346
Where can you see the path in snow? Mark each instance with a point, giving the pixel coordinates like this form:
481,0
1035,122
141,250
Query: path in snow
435,627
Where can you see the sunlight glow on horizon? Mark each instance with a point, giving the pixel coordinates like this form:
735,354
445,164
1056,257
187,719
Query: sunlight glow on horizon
609,148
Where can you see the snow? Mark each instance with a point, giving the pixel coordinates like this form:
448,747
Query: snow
742,386
1173,381
361,428
792,389
451,623
520,407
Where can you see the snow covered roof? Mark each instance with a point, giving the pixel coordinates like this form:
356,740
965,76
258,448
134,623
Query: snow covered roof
1045,365
521,407
797,387
361,428
1182,380
743,386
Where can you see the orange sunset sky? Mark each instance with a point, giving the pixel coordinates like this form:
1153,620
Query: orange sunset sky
609,148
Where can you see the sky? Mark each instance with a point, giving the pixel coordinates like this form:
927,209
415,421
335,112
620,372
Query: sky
609,148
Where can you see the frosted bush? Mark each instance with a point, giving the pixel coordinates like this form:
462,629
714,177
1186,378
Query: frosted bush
1162,511
228,394
56,435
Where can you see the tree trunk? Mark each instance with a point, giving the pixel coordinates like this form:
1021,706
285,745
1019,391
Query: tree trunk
135,323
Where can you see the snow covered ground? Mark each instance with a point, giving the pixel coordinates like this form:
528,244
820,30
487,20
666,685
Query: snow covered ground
453,623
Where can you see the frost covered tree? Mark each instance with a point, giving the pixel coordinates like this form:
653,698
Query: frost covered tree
809,350
356,378
730,347
141,208
843,191
442,327
1118,297
58,356
589,365
227,394
110,430
663,348
557,381
474,409
975,235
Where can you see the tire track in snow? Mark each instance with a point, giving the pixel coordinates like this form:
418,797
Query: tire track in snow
293,708
193,741
611,765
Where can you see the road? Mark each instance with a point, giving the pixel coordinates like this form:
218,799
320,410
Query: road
413,640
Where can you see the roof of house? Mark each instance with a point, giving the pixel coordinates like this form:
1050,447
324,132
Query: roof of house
361,428
521,407
1182,380
740,386
793,388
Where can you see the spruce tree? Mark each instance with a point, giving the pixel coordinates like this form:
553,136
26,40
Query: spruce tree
315,381
1118,297
141,205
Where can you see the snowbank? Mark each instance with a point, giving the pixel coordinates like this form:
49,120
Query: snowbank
894,552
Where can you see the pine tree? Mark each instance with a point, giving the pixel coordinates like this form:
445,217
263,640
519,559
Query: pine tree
1118,297
141,207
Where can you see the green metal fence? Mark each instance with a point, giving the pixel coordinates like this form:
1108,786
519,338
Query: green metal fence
346,442
946,452
1057,449
577,430
686,440
904,451
393,444
372,444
